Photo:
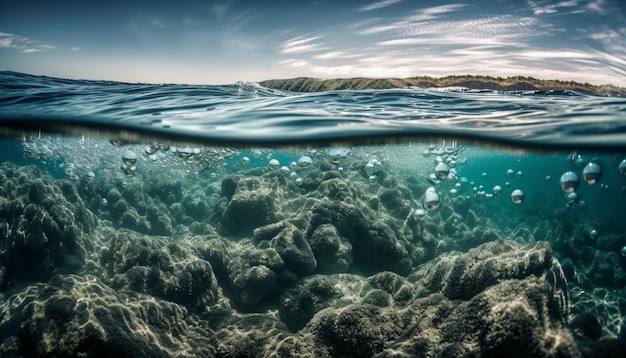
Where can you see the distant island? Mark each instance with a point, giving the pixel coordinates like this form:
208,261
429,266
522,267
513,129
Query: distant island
517,83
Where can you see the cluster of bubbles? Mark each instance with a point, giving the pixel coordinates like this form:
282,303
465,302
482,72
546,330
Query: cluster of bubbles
129,162
445,173
591,171
373,167
337,154
449,175
591,174
293,170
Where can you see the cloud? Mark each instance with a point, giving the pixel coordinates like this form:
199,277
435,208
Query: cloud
613,40
416,19
336,55
543,7
300,44
597,6
379,5
494,30
430,12
434,41
22,43
581,66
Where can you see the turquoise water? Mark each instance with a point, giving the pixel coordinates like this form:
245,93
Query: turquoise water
152,220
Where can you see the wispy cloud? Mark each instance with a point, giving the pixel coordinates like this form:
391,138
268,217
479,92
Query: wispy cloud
300,44
597,6
22,43
613,40
379,5
336,55
439,41
416,19
494,30
548,7
482,60
551,7
432,12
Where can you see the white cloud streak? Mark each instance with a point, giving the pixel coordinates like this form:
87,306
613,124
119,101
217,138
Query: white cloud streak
613,40
597,6
548,7
337,55
552,8
415,20
22,43
379,5
300,44
497,30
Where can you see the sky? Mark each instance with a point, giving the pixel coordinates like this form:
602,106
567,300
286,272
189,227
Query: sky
222,42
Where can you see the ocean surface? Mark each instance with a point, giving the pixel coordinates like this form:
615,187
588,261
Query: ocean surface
144,220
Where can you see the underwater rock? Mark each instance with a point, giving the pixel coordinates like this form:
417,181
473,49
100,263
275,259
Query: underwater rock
151,206
402,291
252,284
335,329
254,275
74,316
301,302
375,245
511,296
45,227
336,189
167,269
477,236
154,207
396,202
196,206
291,244
250,335
378,249
512,305
373,237
160,222
333,254
253,204
168,191
462,277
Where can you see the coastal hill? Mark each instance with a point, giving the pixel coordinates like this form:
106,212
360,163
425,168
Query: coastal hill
517,83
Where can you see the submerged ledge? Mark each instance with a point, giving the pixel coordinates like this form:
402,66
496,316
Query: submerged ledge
517,83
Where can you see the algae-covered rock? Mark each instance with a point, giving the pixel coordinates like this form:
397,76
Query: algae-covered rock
46,228
290,242
332,253
252,204
159,267
73,316
357,330
254,274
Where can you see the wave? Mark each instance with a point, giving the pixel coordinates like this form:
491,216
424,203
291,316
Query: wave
248,113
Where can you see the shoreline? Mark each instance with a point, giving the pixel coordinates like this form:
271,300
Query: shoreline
516,83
